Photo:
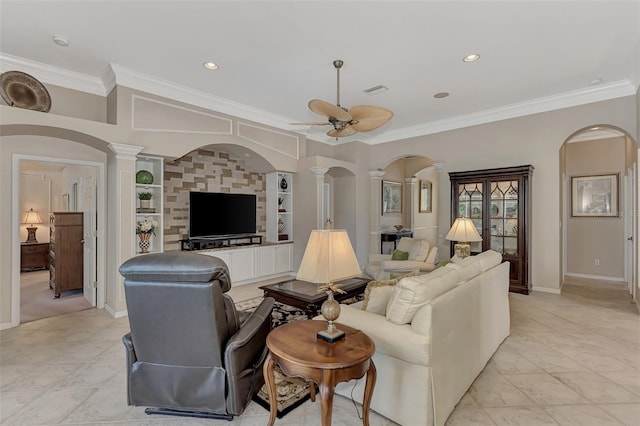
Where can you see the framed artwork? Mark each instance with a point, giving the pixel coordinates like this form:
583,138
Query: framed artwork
594,196
391,197
424,196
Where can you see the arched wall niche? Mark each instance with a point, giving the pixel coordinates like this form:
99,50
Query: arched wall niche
218,167
596,248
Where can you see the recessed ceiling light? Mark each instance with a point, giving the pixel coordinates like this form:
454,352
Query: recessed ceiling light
60,41
471,58
595,81
210,65
441,95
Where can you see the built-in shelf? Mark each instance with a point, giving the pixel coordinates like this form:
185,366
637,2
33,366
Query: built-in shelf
155,166
279,207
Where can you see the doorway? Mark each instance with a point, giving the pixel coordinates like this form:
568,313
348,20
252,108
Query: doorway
68,185
599,212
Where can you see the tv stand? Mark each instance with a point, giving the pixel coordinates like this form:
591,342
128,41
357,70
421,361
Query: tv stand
205,243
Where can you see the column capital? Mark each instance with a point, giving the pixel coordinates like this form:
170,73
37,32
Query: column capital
319,171
376,174
411,180
125,152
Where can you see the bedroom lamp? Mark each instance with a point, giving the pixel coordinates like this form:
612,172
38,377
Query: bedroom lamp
464,232
31,218
328,258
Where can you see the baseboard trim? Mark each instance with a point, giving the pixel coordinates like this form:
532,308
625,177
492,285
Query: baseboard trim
546,290
596,277
115,314
6,325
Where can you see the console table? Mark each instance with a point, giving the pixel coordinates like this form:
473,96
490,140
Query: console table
388,236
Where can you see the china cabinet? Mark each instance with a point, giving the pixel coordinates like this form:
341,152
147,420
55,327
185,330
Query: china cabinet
499,203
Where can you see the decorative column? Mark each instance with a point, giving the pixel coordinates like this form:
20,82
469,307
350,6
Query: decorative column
121,238
410,204
319,173
375,195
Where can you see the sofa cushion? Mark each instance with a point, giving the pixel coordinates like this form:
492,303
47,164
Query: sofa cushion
488,259
399,255
419,250
467,268
413,292
405,244
378,292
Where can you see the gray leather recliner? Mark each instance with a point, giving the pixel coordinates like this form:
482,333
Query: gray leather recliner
188,352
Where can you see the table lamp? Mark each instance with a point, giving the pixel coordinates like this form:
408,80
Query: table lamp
463,231
329,257
31,218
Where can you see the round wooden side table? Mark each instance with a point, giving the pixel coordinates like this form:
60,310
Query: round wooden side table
295,348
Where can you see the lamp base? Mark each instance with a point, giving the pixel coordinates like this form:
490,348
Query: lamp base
462,250
31,236
330,336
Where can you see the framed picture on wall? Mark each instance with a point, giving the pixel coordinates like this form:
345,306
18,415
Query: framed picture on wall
391,197
424,196
595,196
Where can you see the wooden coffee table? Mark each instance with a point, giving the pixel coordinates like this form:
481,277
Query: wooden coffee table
304,295
295,348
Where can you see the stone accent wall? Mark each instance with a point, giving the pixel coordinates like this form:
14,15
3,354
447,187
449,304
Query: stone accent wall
206,171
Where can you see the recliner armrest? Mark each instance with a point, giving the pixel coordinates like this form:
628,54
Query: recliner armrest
248,343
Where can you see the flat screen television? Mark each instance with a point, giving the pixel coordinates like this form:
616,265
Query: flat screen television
213,214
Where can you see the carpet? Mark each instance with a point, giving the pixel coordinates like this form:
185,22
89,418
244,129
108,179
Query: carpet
292,391
37,301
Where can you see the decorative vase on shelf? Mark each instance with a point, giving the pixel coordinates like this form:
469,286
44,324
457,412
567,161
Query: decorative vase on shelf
280,226
145,242
145,204
283,184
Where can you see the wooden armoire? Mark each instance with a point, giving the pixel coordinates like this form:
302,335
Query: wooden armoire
66,249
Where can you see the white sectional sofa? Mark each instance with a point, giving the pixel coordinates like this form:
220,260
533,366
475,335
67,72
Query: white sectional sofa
439,331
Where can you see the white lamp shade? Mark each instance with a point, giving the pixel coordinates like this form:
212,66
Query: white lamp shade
329,257
32,217
463,230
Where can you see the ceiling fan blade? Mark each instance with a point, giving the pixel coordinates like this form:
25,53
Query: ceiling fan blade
347,131
329,110
313,123
367,117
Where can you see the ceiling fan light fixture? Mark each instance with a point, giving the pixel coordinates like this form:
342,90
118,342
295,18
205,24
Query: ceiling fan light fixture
471,58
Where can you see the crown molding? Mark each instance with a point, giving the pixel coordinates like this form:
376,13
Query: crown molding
604,92
54,75
150,84
118,75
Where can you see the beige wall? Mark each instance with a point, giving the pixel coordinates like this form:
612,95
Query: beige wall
534,139
37,146
592,238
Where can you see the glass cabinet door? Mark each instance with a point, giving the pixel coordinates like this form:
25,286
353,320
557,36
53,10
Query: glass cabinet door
504,217
471,205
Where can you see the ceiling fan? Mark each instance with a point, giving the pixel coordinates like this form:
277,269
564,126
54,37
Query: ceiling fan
347,122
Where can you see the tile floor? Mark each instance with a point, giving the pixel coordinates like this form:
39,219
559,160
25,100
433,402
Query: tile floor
572,359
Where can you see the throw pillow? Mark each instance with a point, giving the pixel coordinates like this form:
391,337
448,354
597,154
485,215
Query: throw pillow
405,244
443,263
419,250
378,292
399,255
414,292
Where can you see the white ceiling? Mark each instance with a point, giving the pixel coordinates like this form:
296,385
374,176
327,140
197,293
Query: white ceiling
276,56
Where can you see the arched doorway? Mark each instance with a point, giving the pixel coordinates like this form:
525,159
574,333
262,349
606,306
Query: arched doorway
598,168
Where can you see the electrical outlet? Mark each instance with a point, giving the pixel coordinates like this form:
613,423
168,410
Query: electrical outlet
596,262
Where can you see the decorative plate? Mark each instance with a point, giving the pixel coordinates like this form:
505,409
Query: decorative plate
21,90
144,177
